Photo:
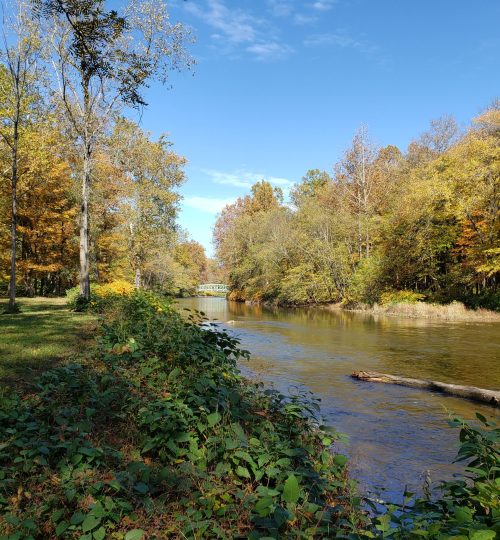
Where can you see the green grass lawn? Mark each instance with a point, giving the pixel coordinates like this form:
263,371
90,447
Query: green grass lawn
44,334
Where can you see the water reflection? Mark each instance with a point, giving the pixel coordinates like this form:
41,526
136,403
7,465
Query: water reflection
397,434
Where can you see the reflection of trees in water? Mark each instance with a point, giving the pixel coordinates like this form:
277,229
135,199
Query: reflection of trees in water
389,426
318,343
214,308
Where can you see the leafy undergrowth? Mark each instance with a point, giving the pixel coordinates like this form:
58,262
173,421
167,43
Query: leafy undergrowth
158,436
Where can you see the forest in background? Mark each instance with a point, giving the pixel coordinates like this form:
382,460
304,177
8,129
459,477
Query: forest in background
87,195
133,205
383,226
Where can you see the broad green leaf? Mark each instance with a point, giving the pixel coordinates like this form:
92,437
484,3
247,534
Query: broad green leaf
77,518
134,534
242,471
463,514
141,488
483,535
340,460
100,534
263,504
90,522
213,419
61,527
291,489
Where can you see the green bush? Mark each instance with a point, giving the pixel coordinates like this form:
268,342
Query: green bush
367,282
72,296
488,300
101,295
160,435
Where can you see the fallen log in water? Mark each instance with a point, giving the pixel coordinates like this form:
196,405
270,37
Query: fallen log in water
492,397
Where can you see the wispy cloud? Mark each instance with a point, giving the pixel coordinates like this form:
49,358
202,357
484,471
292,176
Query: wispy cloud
303,19
287,9
269,51
245,179
211,205
323,5
343,40
280,8
237,29
236,25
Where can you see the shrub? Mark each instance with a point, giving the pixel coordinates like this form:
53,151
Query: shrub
72,297
367,282
100,295
466,508
487,300
401,297
160,434
114,288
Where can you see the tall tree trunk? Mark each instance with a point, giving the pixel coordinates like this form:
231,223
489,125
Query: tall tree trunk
84,226
12,284
84,216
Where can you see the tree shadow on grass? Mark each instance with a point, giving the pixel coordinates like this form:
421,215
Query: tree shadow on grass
44,334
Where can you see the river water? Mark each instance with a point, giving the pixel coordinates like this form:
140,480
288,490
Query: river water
398,436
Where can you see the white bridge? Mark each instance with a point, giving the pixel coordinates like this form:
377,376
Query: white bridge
213,287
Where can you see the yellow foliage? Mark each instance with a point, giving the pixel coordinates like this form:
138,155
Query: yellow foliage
398,297
118,287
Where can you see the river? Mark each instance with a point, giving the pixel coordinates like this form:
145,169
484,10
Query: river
398,436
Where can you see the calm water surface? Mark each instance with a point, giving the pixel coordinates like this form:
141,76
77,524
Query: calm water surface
397,435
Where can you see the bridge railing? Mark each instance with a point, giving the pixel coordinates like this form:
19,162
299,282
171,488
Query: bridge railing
213,287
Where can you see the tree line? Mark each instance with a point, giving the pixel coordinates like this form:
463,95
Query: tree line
86,194
417,225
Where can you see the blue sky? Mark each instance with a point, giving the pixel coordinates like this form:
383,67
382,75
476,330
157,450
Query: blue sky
280,86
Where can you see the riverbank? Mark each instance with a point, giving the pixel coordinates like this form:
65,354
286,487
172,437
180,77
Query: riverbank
456,311
155,434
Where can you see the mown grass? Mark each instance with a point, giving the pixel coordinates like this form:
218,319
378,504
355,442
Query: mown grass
44,334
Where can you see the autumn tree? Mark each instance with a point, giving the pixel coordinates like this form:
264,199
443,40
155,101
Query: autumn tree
313,181
104,60
152,172
354,174
19,77
47,211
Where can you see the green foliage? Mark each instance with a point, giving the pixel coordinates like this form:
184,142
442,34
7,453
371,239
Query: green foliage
486,300
426,221
101,296
367,282
302,285
158,434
